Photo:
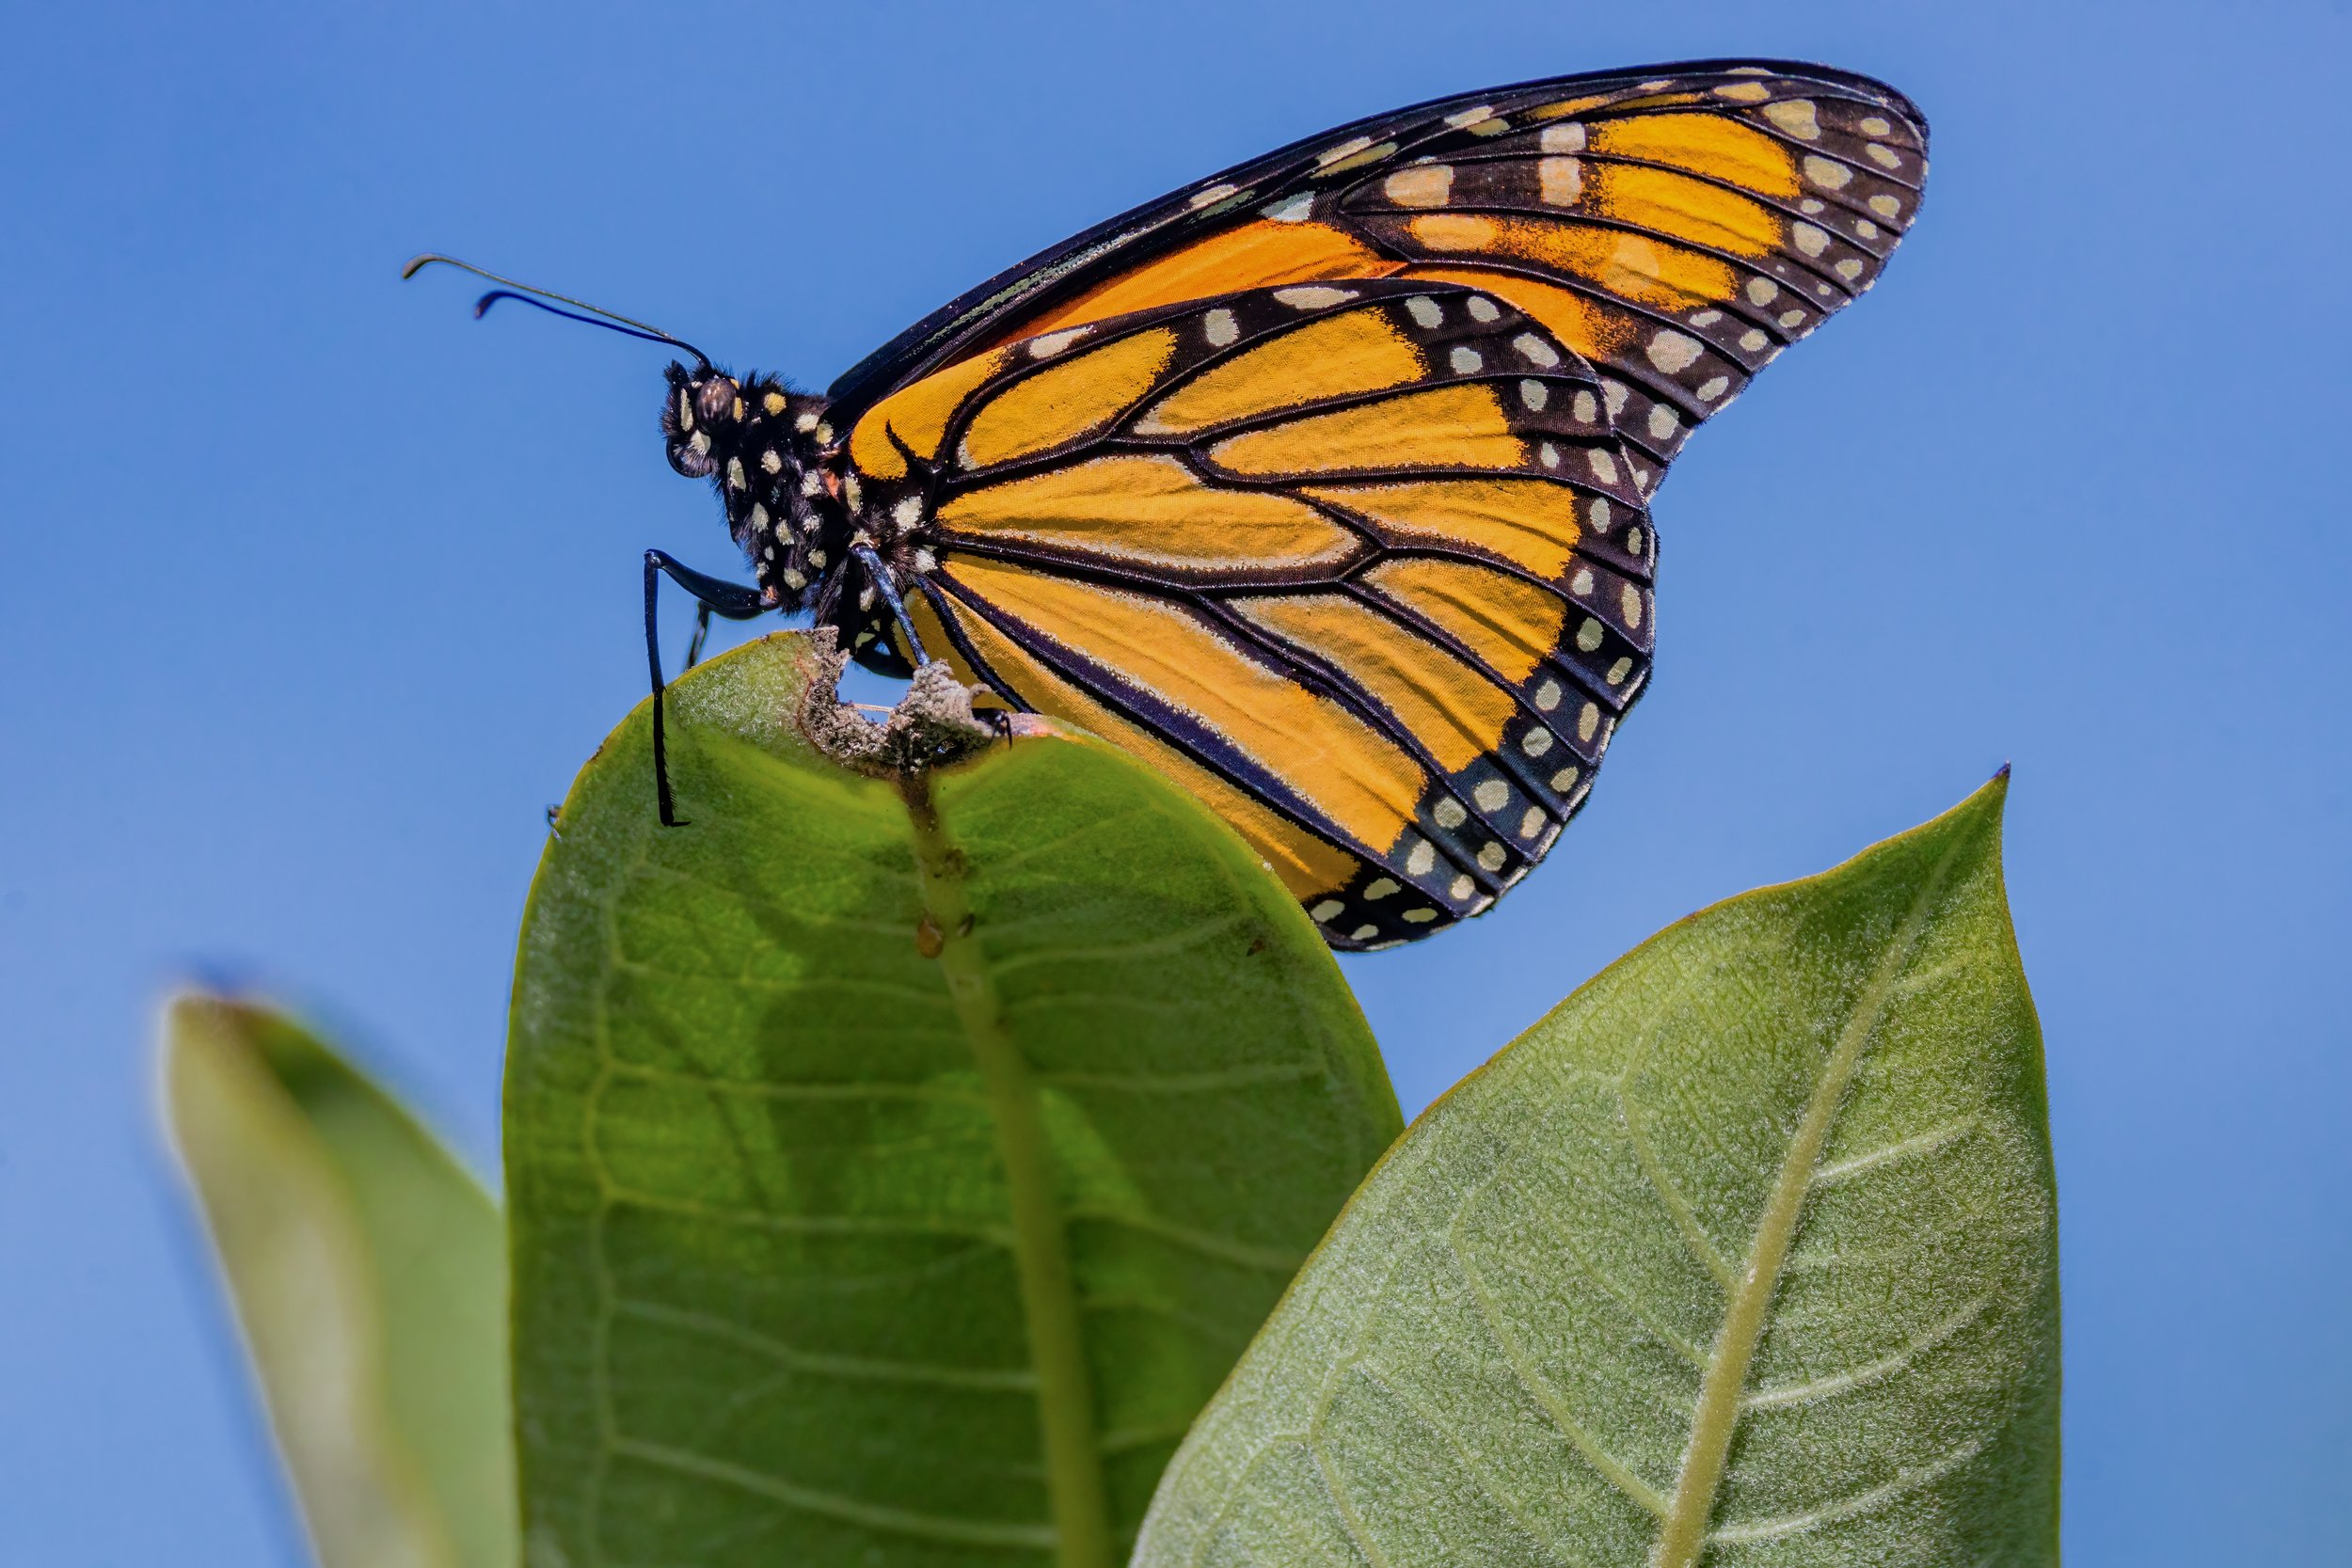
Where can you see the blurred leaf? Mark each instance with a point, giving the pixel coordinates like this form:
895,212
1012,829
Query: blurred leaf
1745,1255
897,1194
364,1264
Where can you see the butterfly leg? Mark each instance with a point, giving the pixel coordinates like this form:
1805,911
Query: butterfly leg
730,599
889,591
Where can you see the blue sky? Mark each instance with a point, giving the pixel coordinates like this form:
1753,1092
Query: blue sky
318,593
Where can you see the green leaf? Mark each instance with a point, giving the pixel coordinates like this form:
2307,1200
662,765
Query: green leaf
896,1169
364,1264
1745,1255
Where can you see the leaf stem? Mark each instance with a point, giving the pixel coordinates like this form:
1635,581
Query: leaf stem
1684,1534
1076,1488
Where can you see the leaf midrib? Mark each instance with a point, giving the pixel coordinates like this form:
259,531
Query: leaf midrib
1683,1535
1076,1487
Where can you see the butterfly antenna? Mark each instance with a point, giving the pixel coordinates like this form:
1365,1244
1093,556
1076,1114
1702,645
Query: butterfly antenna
611,321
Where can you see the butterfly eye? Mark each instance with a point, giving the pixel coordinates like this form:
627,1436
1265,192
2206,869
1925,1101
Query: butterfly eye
718,400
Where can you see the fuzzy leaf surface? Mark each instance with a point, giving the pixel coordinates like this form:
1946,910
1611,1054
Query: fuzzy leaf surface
894,1175
1745,1256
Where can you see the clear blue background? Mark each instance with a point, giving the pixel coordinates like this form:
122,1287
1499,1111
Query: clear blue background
316,592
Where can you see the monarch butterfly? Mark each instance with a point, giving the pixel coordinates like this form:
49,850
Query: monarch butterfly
1322,485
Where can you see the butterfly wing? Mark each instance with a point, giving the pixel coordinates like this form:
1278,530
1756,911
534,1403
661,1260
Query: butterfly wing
1320,485
1678,226
1364,566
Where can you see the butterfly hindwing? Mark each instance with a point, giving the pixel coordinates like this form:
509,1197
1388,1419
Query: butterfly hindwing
1365,566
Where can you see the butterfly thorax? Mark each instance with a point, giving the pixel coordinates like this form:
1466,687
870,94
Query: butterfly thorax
764,448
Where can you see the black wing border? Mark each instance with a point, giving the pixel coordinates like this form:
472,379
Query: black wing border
1151,229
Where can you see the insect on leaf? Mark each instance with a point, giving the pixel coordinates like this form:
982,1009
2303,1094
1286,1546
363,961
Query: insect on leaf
897,1167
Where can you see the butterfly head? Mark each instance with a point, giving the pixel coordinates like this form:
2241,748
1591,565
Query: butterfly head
761,445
